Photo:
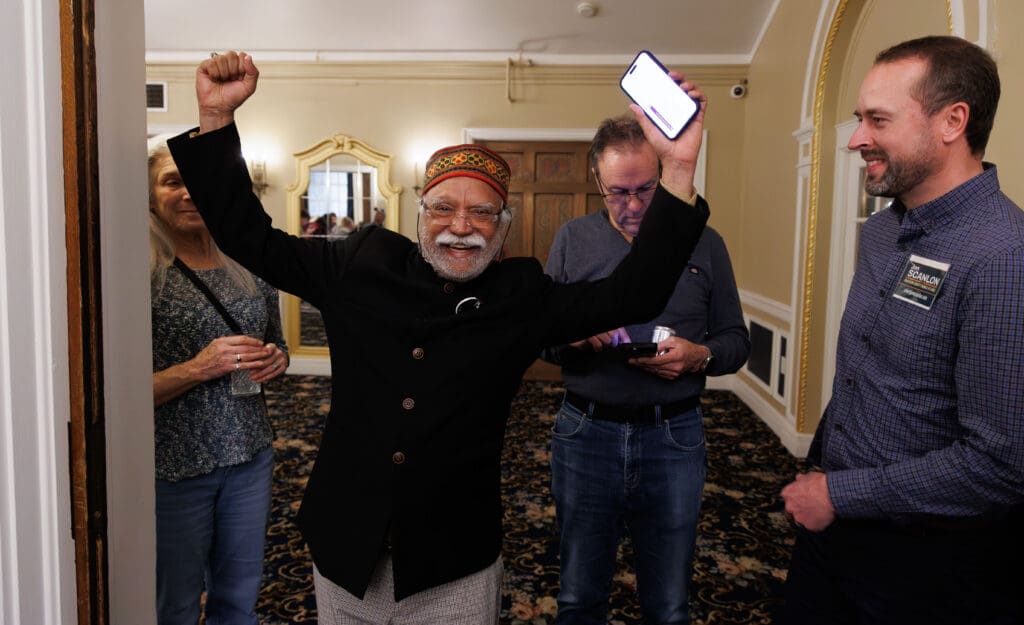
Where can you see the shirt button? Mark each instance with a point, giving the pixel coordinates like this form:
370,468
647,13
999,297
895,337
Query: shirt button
849,381
864,338
398,457
408,403
839,427
418,353
881,292
448,288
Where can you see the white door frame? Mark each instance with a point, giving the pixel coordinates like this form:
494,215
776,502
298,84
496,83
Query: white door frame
842,245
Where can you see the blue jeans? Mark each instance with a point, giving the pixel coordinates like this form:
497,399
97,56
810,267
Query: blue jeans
211,528
607,477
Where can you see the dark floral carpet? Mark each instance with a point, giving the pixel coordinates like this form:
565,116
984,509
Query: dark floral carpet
742,551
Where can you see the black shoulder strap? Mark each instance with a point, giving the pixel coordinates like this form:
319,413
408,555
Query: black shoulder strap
205,290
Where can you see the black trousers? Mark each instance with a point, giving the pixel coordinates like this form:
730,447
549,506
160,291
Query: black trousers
880,573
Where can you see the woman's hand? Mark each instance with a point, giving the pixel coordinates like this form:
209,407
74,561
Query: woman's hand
227,353
222,356
272,364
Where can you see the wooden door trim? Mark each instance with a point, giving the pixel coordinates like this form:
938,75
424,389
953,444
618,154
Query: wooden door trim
86,431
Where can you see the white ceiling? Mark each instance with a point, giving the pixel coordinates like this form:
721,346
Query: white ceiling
549,31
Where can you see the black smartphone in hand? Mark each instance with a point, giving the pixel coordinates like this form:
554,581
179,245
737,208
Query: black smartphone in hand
647,83
637,350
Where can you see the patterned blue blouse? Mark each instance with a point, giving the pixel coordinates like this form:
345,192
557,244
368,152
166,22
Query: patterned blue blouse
207,427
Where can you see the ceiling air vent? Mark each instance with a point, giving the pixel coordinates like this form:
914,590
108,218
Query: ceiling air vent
156,96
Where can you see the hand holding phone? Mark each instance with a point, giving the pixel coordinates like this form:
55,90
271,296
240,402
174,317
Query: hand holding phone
637,350
647,83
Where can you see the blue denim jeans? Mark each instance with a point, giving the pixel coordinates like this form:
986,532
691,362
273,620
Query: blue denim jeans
608,477
210,528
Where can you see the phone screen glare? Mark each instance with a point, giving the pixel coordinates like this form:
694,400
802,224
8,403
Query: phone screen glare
664,103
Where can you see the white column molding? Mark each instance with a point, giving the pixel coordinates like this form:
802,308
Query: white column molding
37,581
127,351
826,12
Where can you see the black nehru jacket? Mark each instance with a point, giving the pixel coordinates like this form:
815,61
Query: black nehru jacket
420,394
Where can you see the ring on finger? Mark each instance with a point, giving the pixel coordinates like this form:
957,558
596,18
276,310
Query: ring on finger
237,366
238,358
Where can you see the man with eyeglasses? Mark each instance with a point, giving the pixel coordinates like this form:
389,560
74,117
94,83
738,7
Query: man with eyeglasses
628,443
402,511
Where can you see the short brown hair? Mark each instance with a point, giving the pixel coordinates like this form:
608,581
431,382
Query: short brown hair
958,71
623,130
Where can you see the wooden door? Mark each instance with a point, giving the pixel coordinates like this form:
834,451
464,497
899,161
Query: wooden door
551,184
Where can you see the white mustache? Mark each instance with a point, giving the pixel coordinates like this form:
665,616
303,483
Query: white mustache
470,240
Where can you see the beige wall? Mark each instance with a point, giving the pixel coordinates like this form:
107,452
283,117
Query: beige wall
876,29
777,74
409,110
1006,147
752,183
764,261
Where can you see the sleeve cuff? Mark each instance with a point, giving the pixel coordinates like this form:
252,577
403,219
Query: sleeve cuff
852,493
690,197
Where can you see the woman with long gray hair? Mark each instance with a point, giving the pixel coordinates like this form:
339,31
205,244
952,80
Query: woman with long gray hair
216,338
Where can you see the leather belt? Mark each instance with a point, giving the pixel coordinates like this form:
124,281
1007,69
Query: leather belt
629,413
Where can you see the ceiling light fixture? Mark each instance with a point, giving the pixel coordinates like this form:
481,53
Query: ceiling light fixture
586,9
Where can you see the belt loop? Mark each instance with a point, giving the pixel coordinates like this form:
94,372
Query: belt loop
590,409
657,414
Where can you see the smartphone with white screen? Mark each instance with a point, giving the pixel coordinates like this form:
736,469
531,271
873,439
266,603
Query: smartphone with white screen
647,83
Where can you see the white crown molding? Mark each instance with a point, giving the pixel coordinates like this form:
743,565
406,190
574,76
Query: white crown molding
194,57
473,135
765,25
364,72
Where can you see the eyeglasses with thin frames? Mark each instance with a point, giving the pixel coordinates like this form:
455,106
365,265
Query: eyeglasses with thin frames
442,214
621,198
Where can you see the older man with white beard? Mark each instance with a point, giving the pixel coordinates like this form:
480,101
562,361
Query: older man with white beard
402,511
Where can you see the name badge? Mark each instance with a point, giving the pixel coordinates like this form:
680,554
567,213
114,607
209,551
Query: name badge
921,281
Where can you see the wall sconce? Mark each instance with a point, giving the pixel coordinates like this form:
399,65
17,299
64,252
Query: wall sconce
258,173
417,178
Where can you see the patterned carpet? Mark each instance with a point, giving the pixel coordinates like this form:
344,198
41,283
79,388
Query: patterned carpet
743,547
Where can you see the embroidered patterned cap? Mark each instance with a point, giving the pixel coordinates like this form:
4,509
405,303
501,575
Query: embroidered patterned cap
471,160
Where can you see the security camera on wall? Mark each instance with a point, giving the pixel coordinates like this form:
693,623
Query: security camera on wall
738,90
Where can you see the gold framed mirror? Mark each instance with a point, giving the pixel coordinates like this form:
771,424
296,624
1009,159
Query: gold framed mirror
341,184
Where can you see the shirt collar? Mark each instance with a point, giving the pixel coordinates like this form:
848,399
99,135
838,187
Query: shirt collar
933,215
